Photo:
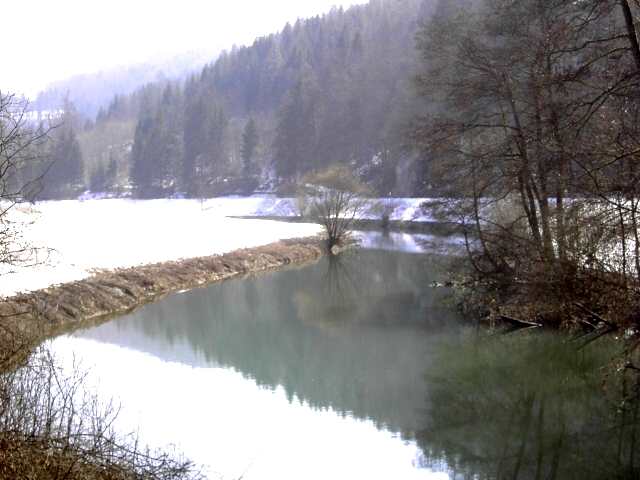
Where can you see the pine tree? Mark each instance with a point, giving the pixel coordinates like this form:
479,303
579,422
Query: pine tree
98,182
205,126
141,169
294,145
194,138
250,141
65,175
111,173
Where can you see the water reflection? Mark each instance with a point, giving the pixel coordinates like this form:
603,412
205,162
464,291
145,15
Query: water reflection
313,372
529,407
351,334
345,365
411,242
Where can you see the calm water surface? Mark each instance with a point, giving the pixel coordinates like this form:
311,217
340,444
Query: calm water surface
357,368
314,372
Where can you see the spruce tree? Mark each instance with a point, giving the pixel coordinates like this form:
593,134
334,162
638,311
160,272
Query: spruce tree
249,144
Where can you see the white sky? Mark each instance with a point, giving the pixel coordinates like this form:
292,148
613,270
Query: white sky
48,40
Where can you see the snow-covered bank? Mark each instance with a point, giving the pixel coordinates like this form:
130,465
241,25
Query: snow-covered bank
83,237
398,209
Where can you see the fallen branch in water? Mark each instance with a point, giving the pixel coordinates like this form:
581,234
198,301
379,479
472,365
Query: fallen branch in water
519,323
602,328
595,316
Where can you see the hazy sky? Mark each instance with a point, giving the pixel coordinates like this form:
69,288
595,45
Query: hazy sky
47,40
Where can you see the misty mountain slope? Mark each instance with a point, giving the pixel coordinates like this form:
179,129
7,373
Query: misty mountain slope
91,92
335,88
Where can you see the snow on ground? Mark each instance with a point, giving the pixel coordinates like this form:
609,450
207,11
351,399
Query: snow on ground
254,206
407,209
269,205
82,237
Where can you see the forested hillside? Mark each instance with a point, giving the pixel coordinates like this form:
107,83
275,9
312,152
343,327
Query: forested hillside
326,90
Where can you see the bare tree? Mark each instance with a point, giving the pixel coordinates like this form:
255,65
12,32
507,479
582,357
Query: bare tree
335,198
52,427
22,167
532,124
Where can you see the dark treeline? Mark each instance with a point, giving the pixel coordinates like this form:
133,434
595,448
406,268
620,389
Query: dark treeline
330,89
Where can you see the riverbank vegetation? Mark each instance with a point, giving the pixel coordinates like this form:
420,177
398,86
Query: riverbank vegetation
532,125
52,428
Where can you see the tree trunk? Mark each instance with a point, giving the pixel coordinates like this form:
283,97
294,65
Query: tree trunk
631,32
524,178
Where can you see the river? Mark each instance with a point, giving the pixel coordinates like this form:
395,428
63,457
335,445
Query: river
353,367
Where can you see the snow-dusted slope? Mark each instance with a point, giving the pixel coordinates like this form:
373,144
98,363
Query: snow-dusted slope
108,234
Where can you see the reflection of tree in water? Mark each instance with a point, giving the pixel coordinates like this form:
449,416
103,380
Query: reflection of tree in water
252,298
336,299
358,346
338,285
529,408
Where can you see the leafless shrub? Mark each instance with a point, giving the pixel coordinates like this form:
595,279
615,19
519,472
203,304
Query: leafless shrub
22,168
335,198
51,427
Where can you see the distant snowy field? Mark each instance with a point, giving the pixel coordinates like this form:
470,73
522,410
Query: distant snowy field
84,236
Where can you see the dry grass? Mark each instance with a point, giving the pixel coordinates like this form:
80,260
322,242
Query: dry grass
52,428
